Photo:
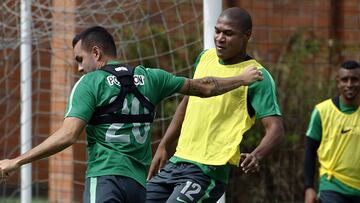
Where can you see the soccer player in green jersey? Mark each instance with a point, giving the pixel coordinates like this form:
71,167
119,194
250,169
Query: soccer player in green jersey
333,137
118,136
210,130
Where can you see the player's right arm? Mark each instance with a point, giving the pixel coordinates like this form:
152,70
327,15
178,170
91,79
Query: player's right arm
212,86
65,136
172,133
71,128
313,137
309,170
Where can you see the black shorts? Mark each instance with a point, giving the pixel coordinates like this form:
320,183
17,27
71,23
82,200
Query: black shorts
113,188
183,182
328,196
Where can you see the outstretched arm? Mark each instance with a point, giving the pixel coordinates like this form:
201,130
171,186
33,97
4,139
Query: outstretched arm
172,133
65,136
274,132
212,86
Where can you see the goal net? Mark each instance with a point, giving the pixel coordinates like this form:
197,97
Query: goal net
154,33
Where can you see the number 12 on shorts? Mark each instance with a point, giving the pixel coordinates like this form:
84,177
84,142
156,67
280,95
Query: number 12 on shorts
191,189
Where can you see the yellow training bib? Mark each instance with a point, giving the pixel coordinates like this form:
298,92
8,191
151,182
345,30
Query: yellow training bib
213,127
339,151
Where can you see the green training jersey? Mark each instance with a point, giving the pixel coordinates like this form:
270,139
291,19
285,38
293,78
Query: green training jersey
119,148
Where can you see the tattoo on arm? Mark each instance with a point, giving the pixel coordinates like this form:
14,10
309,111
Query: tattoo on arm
193,88
217,88
198,87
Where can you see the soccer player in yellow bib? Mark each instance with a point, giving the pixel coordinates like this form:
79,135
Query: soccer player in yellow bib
212,129
333,137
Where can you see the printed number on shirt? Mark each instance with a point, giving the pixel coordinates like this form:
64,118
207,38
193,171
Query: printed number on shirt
111,135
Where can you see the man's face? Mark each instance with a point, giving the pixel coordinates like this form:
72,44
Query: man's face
348,83
86,61
230,40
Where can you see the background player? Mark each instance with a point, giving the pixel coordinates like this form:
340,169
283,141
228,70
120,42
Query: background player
333,137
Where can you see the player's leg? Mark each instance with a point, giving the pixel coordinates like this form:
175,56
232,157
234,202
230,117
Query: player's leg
99,189
105,189
157,192
159,188
194,186
194,192
328,196
354,199
134,191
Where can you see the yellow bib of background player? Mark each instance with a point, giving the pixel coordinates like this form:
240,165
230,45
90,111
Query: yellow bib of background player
339,151
213,127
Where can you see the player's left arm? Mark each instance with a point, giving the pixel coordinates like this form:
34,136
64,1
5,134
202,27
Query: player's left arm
274,132
263,100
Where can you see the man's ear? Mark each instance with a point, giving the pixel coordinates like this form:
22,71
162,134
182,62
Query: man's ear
248,33
337,76
96,52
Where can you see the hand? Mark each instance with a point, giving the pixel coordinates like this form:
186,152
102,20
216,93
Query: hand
310,196
251,74
7,166
249,163
160,158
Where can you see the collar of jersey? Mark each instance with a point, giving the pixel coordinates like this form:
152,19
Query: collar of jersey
346,109
247,58
112,62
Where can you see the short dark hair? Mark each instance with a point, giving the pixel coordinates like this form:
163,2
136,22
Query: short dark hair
96,36
240,16
350,64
